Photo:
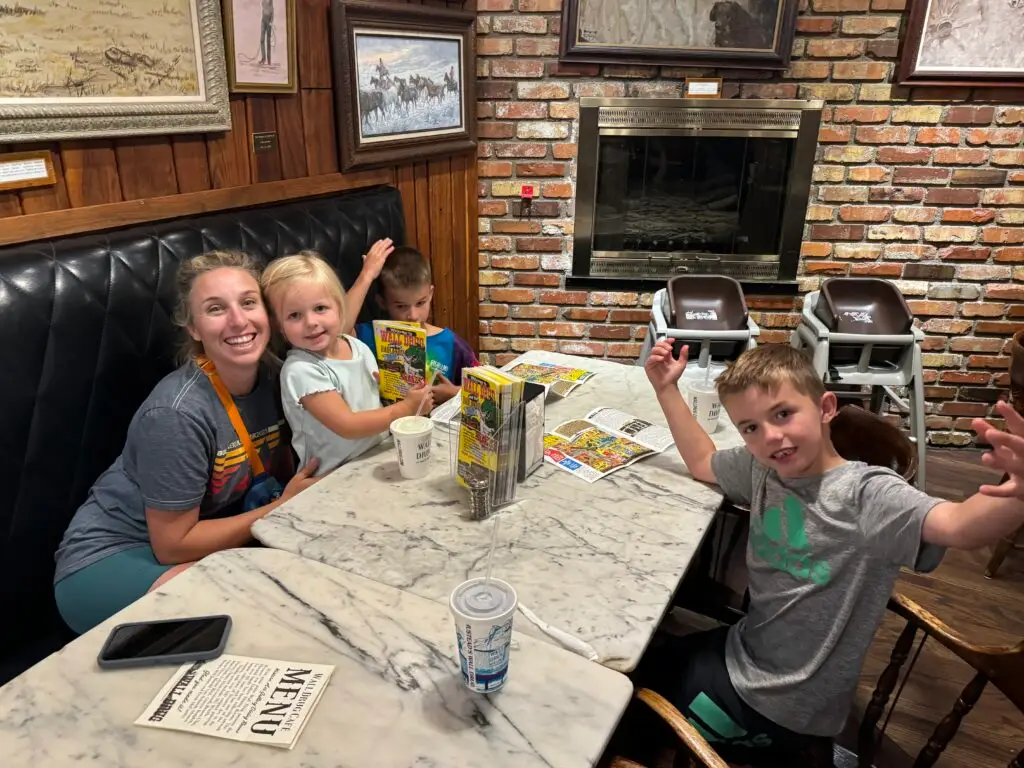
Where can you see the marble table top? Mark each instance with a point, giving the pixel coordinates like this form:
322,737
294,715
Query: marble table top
600,561
395,699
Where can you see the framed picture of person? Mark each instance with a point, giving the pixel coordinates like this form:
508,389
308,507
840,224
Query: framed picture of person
756,34
260,37
963,42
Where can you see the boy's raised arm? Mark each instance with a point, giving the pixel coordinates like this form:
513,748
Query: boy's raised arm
693,442
995,510
373,262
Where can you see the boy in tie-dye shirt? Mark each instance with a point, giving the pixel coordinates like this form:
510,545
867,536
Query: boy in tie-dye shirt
406,292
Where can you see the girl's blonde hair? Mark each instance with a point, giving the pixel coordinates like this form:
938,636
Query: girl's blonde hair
302,267
188,272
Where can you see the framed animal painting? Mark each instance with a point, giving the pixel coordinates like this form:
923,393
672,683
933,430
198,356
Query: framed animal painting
754,34
404,79
963,42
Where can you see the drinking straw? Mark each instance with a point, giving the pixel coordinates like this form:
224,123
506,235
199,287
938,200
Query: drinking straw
494,544
419,408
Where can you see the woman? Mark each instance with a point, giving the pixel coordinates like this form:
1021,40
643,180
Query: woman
185,484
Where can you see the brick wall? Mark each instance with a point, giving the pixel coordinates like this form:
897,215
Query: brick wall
923,186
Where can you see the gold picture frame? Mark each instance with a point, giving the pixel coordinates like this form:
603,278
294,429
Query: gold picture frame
65,80
257,67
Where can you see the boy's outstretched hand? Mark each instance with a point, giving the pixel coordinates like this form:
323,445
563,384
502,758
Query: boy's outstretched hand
373,261
1007,452
662,369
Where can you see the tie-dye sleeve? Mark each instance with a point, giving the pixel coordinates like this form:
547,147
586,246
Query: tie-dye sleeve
463,356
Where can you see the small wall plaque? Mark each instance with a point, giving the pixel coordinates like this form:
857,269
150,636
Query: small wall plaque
264,141
702,88
21,170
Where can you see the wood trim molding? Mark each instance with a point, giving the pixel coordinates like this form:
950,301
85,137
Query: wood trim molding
51,224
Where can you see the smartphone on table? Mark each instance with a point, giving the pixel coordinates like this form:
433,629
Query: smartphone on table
167,641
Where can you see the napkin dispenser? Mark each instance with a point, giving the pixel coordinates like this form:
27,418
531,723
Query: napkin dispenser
531,452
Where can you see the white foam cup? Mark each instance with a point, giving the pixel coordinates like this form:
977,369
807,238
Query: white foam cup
412,439
483,613
704,402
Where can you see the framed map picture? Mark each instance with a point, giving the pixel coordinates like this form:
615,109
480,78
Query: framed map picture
754,34
963,42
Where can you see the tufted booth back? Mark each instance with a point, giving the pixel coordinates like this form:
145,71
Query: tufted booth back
85,334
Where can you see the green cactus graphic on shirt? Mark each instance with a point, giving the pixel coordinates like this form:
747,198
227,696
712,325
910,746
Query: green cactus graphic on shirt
779,537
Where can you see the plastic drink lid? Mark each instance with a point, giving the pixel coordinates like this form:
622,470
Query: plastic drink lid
411,425
481,600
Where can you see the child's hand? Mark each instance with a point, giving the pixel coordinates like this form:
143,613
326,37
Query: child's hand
662,369
304,478
373,261
444,390
1007,452
420,394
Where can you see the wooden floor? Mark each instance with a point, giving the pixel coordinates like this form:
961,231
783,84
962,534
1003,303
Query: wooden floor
984,611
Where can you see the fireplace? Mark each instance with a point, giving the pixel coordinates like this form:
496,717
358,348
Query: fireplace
693,186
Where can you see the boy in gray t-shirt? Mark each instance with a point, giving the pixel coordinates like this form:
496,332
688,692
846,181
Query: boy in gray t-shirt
827,540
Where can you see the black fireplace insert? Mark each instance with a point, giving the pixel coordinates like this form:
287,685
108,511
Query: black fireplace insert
677,186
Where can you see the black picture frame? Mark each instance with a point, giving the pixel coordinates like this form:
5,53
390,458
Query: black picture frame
930,22
743,40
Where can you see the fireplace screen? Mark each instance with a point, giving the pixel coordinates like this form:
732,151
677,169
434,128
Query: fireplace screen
669,186
717,195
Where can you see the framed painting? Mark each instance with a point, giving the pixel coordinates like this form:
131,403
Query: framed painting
75,69
962,42
404,81
260,38
752,34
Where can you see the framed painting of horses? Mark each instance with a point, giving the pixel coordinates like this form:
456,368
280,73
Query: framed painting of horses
751,34
404,81
962,42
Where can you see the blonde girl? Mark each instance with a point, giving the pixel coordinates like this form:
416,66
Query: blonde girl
329,380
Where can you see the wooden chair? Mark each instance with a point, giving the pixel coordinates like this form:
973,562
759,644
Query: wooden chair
1002,549
1003,667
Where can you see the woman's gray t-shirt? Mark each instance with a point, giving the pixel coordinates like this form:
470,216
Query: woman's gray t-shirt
305,373
181,452
823,555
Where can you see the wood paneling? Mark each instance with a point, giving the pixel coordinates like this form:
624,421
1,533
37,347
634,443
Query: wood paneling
312,30
103,184
145,168
191,163
19,229
229,152
90,173
291,139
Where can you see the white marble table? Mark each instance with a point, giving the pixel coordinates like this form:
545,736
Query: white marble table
600,561
395,699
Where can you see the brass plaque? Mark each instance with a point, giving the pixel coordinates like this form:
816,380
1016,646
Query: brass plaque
264,141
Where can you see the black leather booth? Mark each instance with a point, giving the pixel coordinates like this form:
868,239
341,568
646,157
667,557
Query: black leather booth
85,333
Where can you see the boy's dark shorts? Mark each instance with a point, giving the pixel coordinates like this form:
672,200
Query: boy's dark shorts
691,673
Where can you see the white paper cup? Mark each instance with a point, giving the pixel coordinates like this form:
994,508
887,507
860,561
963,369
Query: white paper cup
412,439
483,616
704,402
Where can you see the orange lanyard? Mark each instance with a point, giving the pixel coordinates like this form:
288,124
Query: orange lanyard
206,366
